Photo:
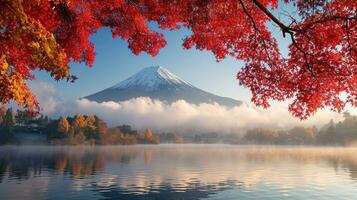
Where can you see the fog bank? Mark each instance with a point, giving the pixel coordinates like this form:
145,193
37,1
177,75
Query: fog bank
179,116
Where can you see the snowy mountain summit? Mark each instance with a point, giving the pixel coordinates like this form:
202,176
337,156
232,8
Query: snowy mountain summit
152,78
159,83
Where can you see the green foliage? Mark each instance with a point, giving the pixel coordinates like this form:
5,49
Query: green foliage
294,136
7,125
30,122
43,121
127,129
9,120
342,133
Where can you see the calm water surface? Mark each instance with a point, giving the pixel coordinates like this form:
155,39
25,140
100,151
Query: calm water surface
176,172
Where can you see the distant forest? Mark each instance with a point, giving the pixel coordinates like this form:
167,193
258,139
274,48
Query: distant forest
336,134
91,130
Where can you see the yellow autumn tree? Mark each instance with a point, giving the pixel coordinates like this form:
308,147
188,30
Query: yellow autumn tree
78,123
149,137
148,133
63,126
90,123
27,45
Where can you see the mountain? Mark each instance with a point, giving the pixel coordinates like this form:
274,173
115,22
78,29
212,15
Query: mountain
159,83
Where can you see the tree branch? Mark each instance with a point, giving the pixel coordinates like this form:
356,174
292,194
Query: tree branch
348,40
256,29
283,27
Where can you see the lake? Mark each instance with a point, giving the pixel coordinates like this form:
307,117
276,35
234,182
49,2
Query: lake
164,172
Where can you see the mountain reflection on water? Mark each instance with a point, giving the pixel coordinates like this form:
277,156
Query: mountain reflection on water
177,172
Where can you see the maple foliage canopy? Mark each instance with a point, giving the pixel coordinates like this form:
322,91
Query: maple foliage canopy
320,68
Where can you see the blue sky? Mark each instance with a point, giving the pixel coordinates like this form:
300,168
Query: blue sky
114,62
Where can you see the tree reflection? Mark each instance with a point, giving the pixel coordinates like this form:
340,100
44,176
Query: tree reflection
75,161
146,172
193,191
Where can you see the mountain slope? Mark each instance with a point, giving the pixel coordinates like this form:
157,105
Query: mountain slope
158,83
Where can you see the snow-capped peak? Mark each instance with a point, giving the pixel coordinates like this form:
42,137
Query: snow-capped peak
160,84
151,78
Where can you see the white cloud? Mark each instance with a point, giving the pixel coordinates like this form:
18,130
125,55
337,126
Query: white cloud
46,95
179,116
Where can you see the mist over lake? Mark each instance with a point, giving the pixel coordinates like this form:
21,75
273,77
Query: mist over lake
184,171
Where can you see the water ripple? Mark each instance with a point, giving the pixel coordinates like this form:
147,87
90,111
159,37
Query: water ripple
178,172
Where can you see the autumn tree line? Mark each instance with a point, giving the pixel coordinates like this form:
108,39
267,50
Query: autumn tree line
336,134
83,129
79,129
90,130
